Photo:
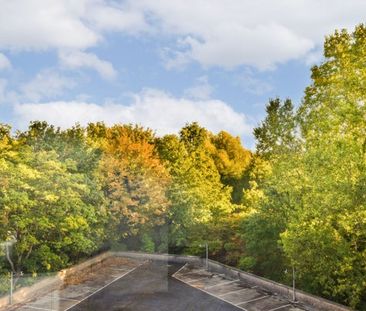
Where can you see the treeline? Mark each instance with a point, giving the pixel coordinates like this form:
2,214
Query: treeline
297,202
65,194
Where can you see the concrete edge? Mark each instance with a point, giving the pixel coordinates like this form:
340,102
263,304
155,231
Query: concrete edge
53,282
274,287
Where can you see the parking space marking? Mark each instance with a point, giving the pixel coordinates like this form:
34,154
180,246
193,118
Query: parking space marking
234,291
221,284
37,308
115,280
61,298
208,293
281,307
180,269
118,269
197,280
68,299
266,296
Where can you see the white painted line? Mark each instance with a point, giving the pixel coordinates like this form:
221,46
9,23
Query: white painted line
69,299
37,308
208,293
104,286
181,268
281,307
60,297
198,280
234,291
221,284
118,269
266,296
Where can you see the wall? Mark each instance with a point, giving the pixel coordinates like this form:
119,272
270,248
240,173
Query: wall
274,287
50,283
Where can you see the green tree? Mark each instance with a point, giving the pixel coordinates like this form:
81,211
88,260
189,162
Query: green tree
43,208
276,134
48,202
326,238
231,160
199,201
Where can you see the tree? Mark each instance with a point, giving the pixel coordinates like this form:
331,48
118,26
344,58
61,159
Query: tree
43,209
50,203
326,238
231,160
199,201
276,134
134,182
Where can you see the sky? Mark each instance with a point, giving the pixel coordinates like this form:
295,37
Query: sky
161,63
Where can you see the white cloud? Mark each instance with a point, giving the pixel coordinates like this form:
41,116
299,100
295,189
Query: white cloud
115,17
259,33
314,57
38,25
34,24
230,33
152,108
78,59
4,62
46,84
3,84
250,84
202,90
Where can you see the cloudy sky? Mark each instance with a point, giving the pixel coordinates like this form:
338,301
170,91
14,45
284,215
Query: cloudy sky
160,63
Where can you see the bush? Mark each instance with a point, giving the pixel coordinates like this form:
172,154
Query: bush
147,244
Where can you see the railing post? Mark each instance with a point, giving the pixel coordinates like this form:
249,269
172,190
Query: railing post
206,244
293,284
11,288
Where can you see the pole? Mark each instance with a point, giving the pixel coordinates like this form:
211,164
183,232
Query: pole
206,244
11,288
293,284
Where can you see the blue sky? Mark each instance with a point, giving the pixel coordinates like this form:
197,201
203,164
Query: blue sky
160,63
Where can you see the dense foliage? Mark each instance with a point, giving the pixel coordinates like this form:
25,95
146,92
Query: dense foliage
297,202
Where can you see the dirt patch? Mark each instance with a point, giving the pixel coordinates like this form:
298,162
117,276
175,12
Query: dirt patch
93,271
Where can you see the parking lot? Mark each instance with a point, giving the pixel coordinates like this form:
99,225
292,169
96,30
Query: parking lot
157,285
152,287
83,286
234,291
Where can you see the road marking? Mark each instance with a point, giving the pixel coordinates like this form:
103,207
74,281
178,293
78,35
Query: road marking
221,284
208,293
266,296
69,299
118,269
197,280
278,308
60,297
181,268
115,280
234,291
37,308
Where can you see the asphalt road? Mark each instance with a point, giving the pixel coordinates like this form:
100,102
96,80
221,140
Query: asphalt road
151,288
